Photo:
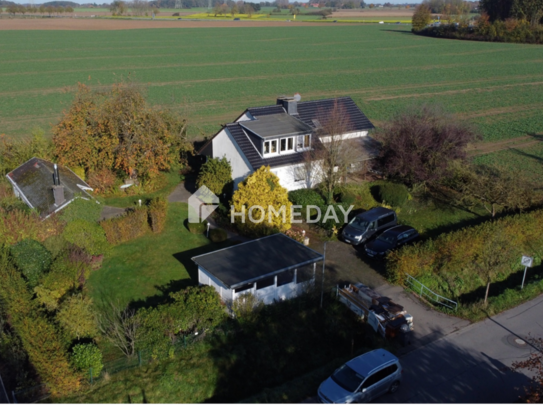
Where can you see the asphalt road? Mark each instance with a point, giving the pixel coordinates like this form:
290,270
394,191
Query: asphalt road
472,365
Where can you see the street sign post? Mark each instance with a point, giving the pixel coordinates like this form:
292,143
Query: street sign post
526,261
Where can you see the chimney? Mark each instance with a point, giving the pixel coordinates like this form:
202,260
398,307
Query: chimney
58,190
290,104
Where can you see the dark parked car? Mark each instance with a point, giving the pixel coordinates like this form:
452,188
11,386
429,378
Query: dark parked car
391,239
368,224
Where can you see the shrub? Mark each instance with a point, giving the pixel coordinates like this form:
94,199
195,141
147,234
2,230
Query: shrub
17,225
62,277
393,194
305,197
55,245
87,356
32,259
76,318
216,174
453,264
329,222
102,180
132,225
87,236
158,208
358,195
197,228
85,209
217,235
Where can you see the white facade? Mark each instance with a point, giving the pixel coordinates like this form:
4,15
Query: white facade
268,295
225,146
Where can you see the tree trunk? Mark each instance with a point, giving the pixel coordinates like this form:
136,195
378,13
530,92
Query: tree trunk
493,212
486,293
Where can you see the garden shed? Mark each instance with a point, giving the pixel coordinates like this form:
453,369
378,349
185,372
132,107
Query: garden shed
273,268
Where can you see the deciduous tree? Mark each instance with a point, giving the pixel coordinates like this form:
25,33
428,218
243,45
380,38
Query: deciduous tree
77,317
419,144
421,18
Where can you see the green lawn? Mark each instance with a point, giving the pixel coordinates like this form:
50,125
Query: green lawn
166,185
144,270
212,74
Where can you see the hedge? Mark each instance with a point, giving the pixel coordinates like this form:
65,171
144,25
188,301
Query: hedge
86,356
158,208
392,194
132,225
197,228
450,264
218,235
32,259
87,236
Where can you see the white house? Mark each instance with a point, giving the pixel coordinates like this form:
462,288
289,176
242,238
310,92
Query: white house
272,268
278,135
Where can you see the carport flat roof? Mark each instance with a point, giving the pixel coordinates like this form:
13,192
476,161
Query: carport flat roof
248,262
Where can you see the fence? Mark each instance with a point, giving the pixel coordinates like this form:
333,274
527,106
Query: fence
424,291
112,367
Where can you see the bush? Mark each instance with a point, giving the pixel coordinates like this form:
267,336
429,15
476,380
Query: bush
216,174
329,224
217,235
454,264
17,225
85,209
87,356
55,245
158,208
358,195
197,228
87,236
32,259
130,226
393,194
305,197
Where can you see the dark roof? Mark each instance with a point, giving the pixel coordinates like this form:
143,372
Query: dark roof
34,180
275,125
265,110
254,157
321,109
375,212
248,262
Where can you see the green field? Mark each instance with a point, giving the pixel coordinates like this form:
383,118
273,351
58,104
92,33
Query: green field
212,74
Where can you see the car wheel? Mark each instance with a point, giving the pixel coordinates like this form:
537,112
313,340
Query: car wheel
394,387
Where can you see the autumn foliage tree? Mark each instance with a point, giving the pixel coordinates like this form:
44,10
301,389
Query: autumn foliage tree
419,144
422,17
260,197
534,364
117,130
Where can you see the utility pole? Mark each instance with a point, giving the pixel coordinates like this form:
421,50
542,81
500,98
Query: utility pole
322,282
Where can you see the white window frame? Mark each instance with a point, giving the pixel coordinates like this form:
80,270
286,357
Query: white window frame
277,146
304,146
287,150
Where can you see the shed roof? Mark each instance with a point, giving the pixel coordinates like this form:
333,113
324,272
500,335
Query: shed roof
276,125
248,262
34,180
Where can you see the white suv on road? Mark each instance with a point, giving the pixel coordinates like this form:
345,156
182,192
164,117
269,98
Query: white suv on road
363,379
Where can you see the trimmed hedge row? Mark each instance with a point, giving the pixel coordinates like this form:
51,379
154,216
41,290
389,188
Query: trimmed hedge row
130,226
158,209
457,263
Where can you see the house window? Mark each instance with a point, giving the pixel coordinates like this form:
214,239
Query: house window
285,277
299,174
303,142
265,282
287,144
270,147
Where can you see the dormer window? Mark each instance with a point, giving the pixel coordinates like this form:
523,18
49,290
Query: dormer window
303,142
270,147
287,144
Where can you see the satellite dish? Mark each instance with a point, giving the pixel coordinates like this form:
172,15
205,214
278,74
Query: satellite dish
297,97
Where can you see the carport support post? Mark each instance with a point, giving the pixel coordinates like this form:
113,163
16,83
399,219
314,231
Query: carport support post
322,282
523,277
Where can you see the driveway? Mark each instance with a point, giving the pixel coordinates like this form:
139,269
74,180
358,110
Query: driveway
346,264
